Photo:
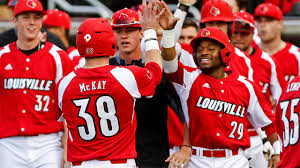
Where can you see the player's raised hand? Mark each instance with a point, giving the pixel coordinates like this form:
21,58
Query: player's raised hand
167,20
273,163
181,158
150,17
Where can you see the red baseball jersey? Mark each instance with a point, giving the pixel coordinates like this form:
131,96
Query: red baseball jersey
289,59
287,122
217,110
75,57
267,74
27,86
98,106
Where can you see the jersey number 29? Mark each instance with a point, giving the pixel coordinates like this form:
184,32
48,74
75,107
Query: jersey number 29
290,137
106,112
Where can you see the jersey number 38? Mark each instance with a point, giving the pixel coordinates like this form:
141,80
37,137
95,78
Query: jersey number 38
106,112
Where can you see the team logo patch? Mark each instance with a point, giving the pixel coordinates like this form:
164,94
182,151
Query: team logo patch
31,3
205,33
215,11
149,75
264,9
87,37
123,18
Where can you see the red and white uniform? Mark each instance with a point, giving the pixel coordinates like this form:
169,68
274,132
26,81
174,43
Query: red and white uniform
267,74
98,106
30,135
217,110
28,86
289,59
287,122
75,57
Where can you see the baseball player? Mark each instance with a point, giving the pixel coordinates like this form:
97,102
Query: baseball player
218,104
268,19
59,23
30,135
266,75
151,112
287,122
98,100
217,13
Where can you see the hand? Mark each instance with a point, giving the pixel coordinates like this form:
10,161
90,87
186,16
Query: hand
167,20
188,2
150,17
181,158
273,163
268,150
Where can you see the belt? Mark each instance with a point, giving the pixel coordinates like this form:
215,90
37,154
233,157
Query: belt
117,161
214,153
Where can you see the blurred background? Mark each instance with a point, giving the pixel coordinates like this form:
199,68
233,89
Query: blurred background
79,10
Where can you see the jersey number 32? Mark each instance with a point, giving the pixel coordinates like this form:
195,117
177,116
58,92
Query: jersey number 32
106,112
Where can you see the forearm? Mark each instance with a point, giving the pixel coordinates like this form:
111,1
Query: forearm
152,48
186,135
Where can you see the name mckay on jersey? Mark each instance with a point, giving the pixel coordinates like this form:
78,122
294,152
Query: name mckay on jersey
218,106
28,83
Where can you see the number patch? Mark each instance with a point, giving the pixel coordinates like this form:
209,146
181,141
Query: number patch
290,135
106,112
40,99
239,128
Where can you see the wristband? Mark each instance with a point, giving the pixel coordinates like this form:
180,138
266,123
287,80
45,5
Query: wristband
265,140
186,146
150,40
183,7
168,38
276,147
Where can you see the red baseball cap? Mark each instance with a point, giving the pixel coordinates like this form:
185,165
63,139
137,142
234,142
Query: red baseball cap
243,21
125,18
216,10
28,6
57,18
268,10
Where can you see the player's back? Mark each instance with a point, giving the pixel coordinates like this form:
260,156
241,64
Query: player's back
287,122
98,105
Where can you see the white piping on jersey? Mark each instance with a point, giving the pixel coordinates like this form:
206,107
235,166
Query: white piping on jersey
62,87
126,78
4,50
275,87
74,53
294,50
247,61
255,114
56,56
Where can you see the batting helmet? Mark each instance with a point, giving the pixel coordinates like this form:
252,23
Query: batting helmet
216,10
243,22
95,38
28,6
125,18
57,18
268,10
216,35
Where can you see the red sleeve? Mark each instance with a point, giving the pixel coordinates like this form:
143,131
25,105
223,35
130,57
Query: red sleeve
280,75
66,63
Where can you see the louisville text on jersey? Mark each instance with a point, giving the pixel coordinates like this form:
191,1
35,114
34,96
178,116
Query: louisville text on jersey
218,106
28,83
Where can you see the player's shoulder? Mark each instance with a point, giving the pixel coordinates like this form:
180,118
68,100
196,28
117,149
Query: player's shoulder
54,50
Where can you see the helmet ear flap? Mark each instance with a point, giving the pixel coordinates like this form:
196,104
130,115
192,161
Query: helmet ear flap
226,54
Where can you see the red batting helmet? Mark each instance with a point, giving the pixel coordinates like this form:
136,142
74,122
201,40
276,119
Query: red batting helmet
216,35
268,10
244,22
125,18
216,10
95,38
28,6
57,18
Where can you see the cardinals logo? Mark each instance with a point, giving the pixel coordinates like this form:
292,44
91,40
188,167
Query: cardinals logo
87,37
215,11
123,19
31,3
205,33
264,9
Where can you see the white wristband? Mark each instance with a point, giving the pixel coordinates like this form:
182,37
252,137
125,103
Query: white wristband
168,38
276,147
150,40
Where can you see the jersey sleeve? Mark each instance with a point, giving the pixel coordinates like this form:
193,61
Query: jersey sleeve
278,83
66,62
259,111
